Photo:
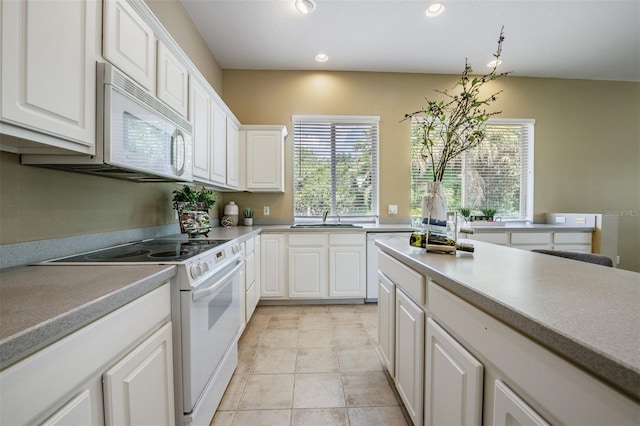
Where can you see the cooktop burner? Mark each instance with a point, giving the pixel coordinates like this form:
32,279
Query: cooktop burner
147,251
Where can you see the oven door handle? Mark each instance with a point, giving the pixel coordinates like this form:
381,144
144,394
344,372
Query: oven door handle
200,293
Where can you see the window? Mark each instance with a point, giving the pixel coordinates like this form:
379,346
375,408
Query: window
497,174
335,162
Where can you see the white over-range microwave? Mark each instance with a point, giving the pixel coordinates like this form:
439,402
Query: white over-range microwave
138,137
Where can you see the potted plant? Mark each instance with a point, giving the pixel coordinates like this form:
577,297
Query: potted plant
450,126
489,214
193,209
466,213
247,213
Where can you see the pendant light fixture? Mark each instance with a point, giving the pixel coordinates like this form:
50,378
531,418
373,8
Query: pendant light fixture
305,6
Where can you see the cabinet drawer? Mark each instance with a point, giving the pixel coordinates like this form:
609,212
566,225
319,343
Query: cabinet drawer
249,246
410,281
572,237
492,237
342,239
310,239
530,238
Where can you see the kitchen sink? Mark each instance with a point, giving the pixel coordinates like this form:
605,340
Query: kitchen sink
325,225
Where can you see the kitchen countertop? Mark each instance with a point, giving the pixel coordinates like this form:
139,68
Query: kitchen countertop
526,227
42,304
587,313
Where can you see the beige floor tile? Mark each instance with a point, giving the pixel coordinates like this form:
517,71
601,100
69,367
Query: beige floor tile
346,308
250,338
315,321
318,391
264,310
267,391
223,418
263,418
320,417
320,338
246,356
366,308
377,416
233,393
313,309
317,360
283,321
363,358
286,310
352,337
339,321
279,338
274,361
368,389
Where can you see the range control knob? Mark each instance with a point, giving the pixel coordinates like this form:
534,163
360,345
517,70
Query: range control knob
204,267
235,248
196,271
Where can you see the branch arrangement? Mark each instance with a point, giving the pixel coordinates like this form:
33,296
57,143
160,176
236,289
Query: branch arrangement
457,123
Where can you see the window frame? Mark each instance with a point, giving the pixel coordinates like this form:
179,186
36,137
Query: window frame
375,169
527,165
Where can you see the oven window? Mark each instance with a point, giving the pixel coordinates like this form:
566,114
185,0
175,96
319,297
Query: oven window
219,305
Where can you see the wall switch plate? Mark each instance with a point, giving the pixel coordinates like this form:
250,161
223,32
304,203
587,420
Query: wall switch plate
265,210
393,209
560,219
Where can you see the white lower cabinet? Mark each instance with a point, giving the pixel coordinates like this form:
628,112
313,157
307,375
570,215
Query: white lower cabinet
409,355
387,322
272,266
347,265
129,349
252,291
139,389
453,382
509,409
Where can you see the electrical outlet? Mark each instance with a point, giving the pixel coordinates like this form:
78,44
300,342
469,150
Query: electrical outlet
617,260
393,209
265,210
560,219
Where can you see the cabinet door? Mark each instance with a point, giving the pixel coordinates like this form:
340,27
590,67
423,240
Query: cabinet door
249,270
409,356
199,115
307,272
129,43
387,321
265,161
509,409
49,52
173,80
218,172
347,271
251,301
453,391
272,278
75,412
233,154
139,388
257,251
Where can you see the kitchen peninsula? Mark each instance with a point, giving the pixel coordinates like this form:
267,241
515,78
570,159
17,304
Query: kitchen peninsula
479,338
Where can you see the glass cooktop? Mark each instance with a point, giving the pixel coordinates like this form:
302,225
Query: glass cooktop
147,251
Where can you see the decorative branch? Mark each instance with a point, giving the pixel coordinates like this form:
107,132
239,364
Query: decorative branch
458,122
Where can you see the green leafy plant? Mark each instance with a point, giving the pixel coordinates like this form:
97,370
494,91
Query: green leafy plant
188,194
247,213
489,213
455,124
465,212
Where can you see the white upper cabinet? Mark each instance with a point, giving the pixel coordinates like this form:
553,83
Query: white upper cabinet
233,154
265,158
48,68
173,80
129,43
200,117
218,172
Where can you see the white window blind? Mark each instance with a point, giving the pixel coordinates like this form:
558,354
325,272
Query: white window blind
497,174
335,161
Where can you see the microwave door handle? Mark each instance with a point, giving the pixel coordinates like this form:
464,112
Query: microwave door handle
175,139
200,293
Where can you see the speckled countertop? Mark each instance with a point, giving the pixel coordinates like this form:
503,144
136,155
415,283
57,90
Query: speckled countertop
526,227
587,313
41,304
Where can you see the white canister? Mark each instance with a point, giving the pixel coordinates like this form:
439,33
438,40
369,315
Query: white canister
232,211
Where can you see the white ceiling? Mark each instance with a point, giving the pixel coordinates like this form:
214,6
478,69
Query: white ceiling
597,40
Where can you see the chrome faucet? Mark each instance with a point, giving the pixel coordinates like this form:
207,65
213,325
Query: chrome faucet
324,216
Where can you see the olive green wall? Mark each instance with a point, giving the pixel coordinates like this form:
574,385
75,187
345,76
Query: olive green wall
587,135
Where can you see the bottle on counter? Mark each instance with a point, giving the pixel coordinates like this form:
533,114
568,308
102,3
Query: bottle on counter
231,210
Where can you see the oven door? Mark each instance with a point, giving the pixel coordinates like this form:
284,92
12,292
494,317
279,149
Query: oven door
210,326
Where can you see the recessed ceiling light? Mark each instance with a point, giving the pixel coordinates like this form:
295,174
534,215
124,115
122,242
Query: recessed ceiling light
305,6
434,9
322,57
494,63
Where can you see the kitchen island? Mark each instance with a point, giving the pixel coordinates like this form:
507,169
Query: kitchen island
563,335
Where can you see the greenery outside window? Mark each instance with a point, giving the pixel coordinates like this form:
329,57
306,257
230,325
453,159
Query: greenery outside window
335,167
497,174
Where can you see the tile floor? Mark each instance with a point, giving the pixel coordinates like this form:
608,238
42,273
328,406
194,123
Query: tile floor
310,365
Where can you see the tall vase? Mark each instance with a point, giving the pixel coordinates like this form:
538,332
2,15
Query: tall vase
434,203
